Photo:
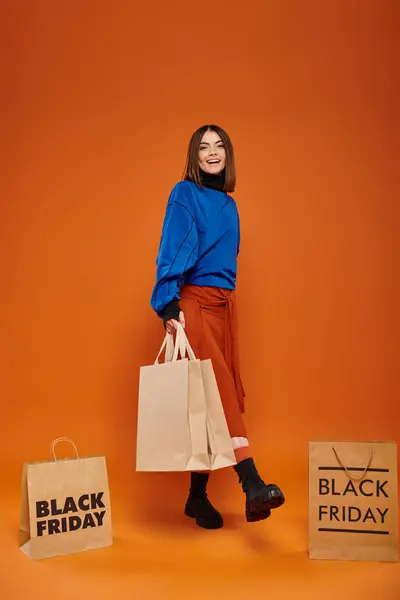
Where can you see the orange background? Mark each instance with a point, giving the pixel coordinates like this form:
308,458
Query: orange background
99,101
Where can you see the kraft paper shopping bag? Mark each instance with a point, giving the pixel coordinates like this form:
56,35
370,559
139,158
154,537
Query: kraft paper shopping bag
65,506
171,429
219,440
353,506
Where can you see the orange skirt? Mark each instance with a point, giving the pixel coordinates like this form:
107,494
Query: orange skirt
211,327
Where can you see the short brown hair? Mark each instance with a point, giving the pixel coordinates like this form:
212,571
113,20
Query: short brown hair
192,168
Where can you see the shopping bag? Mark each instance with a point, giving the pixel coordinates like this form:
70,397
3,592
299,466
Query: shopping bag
65,506
171,428
353,506
219,440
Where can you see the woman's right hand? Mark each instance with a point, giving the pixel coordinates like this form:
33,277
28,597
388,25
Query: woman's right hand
172,324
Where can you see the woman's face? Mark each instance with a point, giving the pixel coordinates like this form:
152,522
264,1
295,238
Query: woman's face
212,157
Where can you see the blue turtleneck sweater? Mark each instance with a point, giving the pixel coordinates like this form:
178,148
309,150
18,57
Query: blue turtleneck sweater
199,243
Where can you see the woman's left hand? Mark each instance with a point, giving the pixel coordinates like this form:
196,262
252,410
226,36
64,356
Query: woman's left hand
172,324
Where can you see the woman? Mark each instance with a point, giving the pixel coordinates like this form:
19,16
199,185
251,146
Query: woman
196,277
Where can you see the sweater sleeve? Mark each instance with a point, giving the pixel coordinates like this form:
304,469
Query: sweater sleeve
178,248
238,231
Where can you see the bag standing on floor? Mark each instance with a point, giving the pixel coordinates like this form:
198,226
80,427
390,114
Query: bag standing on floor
65,506
353,507
181,422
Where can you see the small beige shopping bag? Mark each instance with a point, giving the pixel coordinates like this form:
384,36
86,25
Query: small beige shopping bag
219,440
65,506
353,506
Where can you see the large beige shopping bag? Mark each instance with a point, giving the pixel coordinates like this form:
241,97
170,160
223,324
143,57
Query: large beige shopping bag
353,505
173,414
171,429
65,506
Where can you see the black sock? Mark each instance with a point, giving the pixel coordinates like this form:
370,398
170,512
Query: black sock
198,484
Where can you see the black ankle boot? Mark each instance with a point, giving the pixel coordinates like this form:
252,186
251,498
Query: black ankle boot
198,505
260,497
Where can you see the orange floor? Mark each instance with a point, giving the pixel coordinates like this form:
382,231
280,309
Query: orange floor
165,556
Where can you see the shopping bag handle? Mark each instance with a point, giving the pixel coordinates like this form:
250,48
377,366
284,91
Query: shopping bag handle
354,477
63,439
169,344
182,345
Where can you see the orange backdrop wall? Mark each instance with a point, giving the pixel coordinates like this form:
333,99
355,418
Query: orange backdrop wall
99,104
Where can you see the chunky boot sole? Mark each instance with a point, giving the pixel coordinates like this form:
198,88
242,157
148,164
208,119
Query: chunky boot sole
253,517
269,497
204,522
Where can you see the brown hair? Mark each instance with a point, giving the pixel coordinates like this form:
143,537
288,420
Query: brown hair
192,168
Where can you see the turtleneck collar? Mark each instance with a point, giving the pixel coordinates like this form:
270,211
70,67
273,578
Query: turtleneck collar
215,182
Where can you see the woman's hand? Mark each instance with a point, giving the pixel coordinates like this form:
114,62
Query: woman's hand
172,324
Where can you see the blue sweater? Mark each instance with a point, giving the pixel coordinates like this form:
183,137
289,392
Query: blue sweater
199,242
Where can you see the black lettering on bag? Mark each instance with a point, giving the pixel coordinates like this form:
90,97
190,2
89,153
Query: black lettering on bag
88,521
53,526
64,524
42,509
362,487
54,509
350,488
324,487
96,501
100,517
84,503
334,492
334,512
328,486
358,517
81,501
382,514
323,510
41,527
69,505
379,487
369,515
74,523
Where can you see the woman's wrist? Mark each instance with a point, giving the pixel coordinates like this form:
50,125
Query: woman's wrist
170,311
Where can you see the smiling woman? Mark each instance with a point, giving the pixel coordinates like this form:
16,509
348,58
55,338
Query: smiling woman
211,152
196,281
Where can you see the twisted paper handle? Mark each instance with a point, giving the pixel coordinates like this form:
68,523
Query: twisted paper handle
354,477
63,439
169,343
182,345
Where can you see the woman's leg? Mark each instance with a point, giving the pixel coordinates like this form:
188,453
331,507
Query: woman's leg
206,330
198,505
241,448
